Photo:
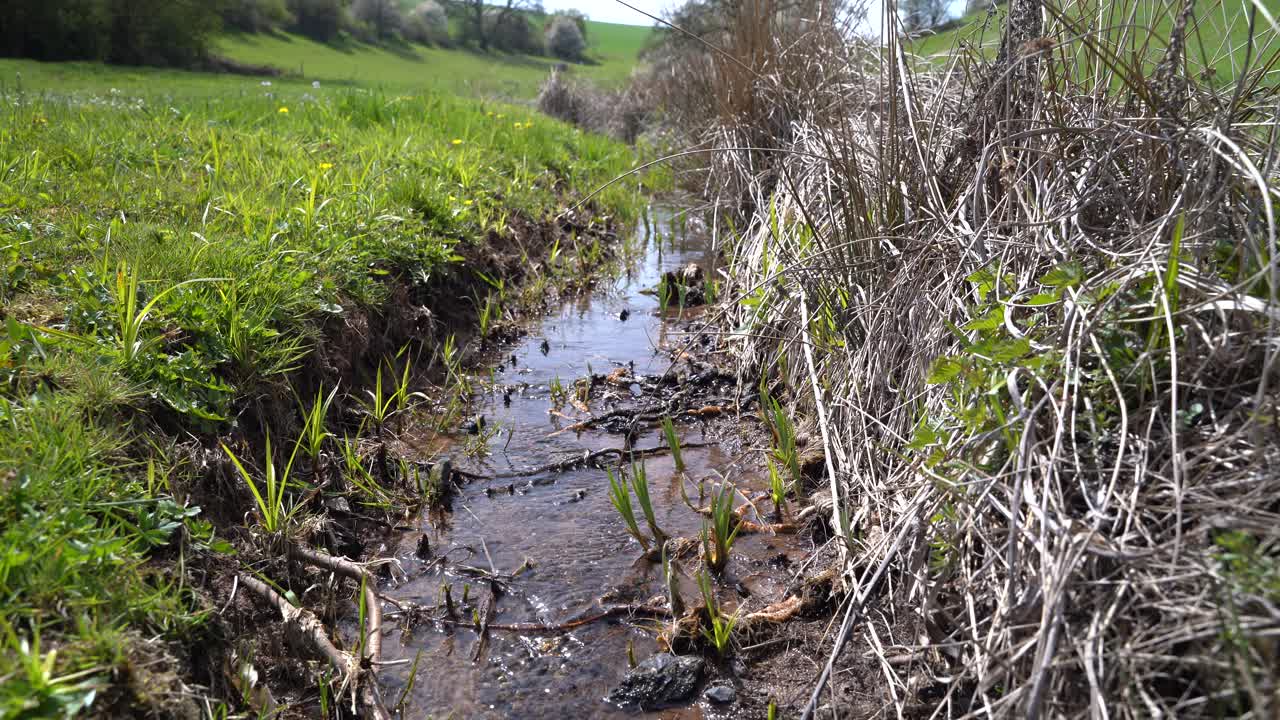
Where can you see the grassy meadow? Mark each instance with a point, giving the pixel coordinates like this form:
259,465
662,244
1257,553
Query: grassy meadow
1217,37
176,250
613,50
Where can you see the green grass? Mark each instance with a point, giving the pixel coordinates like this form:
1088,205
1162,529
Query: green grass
296,208
613,49
1218,39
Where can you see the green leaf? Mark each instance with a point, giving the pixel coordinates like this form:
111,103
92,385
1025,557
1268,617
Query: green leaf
945,369
993,319
1009,350
1045,298
1067,274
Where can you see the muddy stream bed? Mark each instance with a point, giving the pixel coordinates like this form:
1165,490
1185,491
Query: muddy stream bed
553,536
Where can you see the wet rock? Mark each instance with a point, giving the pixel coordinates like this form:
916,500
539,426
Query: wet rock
474,425
659,680
545,347
624,314
721,694
423,551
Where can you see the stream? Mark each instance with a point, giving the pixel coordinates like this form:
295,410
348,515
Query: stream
559,528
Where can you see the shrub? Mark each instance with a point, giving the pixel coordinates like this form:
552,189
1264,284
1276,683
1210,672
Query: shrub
510,31
255,15
564,38
381,19
321,20
428,24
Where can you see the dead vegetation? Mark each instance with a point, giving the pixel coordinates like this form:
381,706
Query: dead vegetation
1031,305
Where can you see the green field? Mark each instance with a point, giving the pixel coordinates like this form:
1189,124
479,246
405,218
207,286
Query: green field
176,250
613,49
1218,38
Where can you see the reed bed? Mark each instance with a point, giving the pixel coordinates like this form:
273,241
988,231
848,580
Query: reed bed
1027,301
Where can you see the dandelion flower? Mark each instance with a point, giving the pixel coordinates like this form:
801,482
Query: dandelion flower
283,110
456,141
467,203
326,166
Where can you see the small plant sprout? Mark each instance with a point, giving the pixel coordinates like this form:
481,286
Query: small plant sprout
718,535
777,487
314,432
720,627
670,576
130,318
640,483
673,442
621,499
271,505
784,435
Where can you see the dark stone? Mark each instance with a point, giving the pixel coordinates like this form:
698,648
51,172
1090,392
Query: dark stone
721,694
658,681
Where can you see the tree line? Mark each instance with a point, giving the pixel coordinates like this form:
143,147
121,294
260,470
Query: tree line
180,33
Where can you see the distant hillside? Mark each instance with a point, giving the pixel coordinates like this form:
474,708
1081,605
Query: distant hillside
614,51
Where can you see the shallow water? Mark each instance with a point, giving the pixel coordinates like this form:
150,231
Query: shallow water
563,523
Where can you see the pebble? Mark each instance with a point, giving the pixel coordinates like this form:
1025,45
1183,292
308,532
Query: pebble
721,694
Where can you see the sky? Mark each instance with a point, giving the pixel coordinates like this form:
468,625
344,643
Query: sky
615,12
610,11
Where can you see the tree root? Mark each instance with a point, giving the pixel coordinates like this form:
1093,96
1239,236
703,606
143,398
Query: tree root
303,627
370,697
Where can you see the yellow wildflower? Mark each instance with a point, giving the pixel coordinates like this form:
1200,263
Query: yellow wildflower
326,166
283,110
456,141
467,203
489,114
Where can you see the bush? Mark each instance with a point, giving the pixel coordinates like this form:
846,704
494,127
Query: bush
321,20
382,18
428,24
510,31
564,38
255,15
130,32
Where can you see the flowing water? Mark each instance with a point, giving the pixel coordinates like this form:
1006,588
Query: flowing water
562,524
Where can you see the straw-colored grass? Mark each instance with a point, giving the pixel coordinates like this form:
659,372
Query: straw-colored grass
1030,306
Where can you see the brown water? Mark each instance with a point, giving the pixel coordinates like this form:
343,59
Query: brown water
563,523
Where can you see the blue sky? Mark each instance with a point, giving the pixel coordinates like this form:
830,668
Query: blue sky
610,11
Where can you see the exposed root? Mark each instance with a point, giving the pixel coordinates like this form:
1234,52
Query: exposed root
302,627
